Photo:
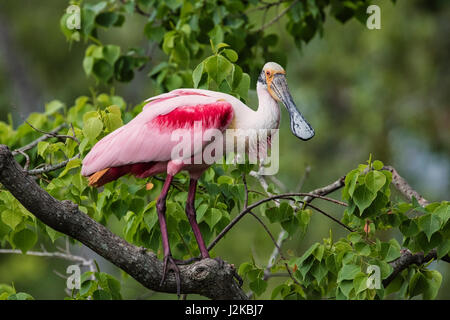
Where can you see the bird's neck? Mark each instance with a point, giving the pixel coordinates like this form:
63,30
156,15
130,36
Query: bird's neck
268,113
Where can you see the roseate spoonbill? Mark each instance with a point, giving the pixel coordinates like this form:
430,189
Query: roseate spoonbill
143,146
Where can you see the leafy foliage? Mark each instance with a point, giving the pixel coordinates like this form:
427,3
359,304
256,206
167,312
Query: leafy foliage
184,29
97,286
211,45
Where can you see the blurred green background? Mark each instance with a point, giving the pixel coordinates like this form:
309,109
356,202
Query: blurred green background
385,92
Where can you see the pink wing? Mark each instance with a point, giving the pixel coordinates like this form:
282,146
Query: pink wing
148,137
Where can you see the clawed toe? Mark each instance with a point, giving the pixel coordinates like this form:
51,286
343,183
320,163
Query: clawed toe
170,265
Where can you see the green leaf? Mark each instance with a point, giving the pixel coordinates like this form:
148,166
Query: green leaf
106,19
258,286
42,147
12,218
346,286
306,255
245,268
111,53
25,239
86,287
389,251
443,212
213,217
362,248
231,55
114,287
173,82
360,282
279,289
429,223
377,165
319,271
243,86
53,234
101,295
433,279
53,106
197,74
154,33
218,68
225,180
350,184
75,163
113,122
443,249
409,228
103,70
200,212
20,296
417,285
348,272
88,65
363,197
374,181
92,128
216,35
318,252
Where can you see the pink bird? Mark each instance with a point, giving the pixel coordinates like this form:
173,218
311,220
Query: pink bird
144,146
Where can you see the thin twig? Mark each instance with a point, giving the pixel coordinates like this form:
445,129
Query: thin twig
48,167
282,235
27,157
266,6
65,256
330,217
244,181
55,135
278,16
42,138
279,249
256,204
303,179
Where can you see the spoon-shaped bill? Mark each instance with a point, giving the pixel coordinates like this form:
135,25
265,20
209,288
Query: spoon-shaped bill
299,126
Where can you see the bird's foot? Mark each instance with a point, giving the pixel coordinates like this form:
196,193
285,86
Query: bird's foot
170,265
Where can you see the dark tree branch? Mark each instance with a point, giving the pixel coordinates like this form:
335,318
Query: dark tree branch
206,277
408,258
405,188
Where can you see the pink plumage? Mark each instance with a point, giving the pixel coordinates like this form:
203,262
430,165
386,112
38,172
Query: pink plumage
143,147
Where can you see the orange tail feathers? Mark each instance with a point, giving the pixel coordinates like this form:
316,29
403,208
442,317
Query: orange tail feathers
94,179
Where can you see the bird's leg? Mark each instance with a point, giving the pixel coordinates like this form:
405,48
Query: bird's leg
169,263
191,214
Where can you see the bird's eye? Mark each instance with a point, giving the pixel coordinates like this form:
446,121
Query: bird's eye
268,73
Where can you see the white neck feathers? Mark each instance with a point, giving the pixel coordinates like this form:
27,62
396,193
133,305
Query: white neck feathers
268,114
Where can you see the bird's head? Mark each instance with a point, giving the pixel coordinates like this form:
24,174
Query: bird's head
273,78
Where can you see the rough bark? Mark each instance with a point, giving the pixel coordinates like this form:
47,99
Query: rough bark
407,258
207,277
